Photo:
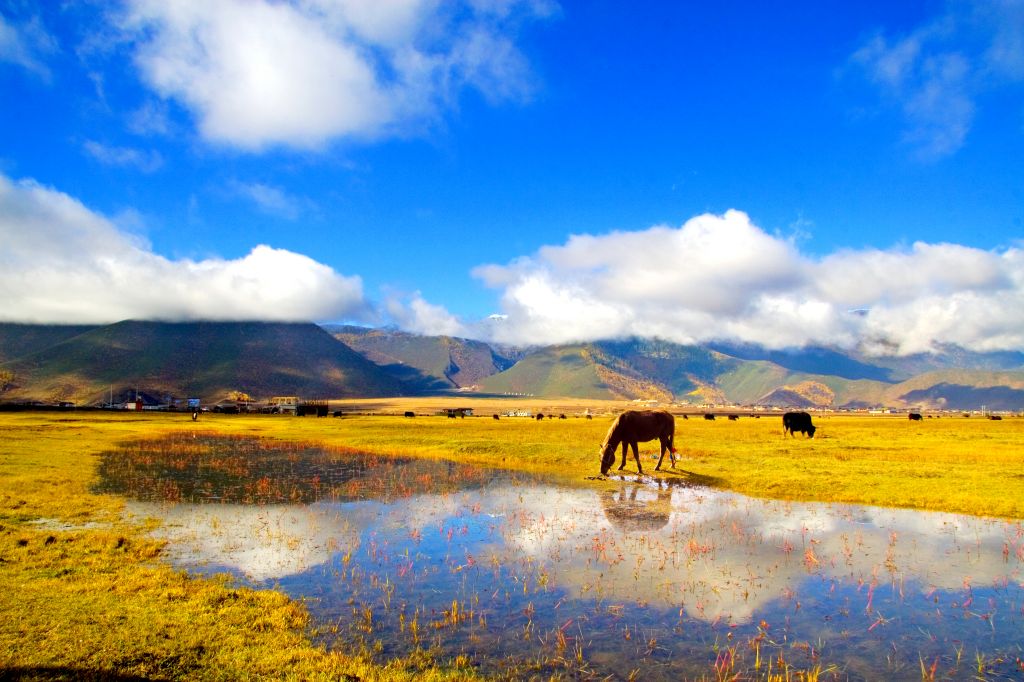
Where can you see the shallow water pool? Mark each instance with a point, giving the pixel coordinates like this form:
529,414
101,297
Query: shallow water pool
522,577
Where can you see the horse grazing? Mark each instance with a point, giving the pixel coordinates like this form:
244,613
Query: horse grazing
635,426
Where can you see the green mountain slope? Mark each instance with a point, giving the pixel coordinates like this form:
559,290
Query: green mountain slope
17,340
200,359
680,369
582,371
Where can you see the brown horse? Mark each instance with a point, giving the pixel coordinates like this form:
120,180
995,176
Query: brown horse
634,426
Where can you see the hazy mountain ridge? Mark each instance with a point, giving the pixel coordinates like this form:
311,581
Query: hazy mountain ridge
430,362
207,359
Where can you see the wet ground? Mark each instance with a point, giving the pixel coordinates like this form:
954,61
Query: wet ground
520,576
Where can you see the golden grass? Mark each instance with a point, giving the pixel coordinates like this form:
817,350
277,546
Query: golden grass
82,596
81,593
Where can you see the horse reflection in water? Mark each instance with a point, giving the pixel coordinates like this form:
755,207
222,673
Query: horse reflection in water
636,426
631,515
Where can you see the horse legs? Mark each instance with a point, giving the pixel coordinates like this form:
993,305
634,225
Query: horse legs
636,456
625,452
666,444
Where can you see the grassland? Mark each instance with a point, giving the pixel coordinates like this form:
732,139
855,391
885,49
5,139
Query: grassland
82,595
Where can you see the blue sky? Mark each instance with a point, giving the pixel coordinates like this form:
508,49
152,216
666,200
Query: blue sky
581,169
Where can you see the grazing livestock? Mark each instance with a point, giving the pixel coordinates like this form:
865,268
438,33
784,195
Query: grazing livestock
540,416
710,417
733,417
636,426
496,417
914,417
410,414
995,417
798,421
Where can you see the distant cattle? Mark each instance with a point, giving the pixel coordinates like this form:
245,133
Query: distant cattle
710,417
733,417
914,417
562,416
497,417
540,416
685,417
798,421
410,414
995,417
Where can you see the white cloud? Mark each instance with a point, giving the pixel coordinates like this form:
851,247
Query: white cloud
936,73
269,198
60,262
421,317
256,73
150,118
26,44
724,278
127,157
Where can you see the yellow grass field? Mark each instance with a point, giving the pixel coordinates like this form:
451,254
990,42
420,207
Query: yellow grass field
82,593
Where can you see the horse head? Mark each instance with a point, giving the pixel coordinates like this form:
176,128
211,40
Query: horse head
607,456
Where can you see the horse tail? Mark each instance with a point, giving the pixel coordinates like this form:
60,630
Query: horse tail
672,435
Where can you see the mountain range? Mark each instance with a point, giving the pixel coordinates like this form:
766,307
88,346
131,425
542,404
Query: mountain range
209,360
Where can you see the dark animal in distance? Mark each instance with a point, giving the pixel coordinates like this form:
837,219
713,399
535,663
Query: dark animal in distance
639,426
798,421
496,416
995,417
914,417
410,414
710,417
733,417
540,416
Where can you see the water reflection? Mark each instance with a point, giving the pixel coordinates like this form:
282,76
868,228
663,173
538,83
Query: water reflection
670,581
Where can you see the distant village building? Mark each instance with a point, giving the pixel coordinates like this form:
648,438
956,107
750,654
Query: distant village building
318,407
284,403
456,411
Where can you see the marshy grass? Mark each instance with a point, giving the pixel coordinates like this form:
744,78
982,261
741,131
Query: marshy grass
84,594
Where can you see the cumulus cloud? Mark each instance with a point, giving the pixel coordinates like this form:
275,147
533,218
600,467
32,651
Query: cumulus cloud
721,277
256,73
936,72
61,262
419,316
